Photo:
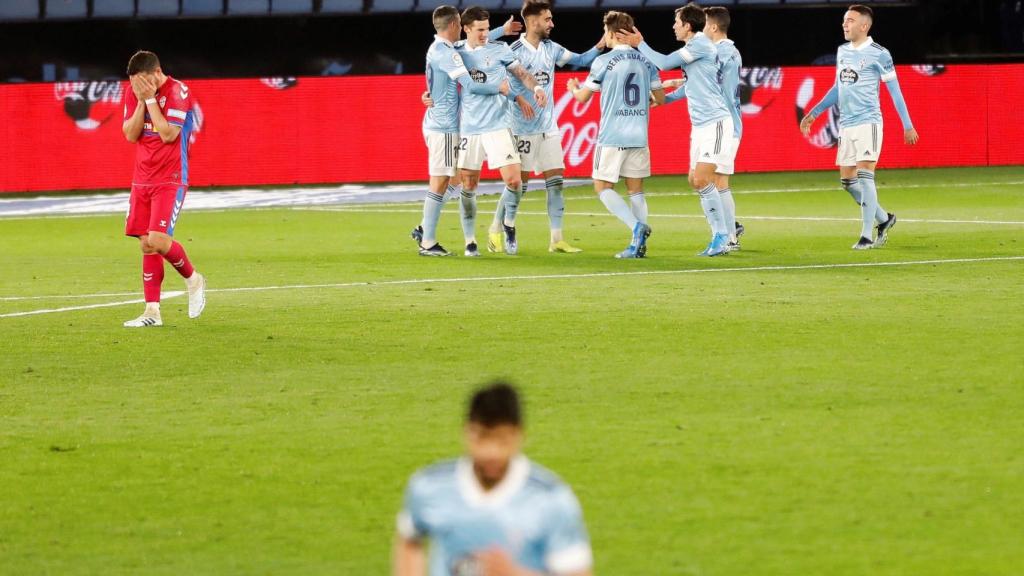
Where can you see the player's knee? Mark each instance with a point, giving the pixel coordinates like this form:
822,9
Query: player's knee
146,247
699,182
514,183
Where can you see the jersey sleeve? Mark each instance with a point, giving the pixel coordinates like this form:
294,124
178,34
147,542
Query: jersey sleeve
886,68
695,51
179,102
596,76
130,102
508,57
567,546
410,522
452,65
652,74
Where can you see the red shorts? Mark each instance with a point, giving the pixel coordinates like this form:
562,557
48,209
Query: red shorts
154,209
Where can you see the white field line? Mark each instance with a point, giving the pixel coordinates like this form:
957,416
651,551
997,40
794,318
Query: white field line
695,216
87,307
547,277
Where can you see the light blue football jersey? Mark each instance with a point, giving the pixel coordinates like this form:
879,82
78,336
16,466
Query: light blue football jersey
532,515
729,63
444,66
541,62
858,72
625,78
487,64
699,59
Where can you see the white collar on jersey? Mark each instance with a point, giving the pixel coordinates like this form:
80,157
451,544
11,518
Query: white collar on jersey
525,42
867,42
474,494
622,47
445,40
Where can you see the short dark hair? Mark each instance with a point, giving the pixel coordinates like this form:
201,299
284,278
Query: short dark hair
474,14
534,7
618,21
693,15
444,16
142,61
863,10
720,16
494,405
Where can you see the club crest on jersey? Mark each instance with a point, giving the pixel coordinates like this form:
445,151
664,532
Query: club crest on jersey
163,101
848,76
478,76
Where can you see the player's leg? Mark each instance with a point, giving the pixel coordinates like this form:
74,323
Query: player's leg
607,166
500,149
711,202
635,167
846,159
553,182
167,204
872,214
723,171
137,225
470,161
442,150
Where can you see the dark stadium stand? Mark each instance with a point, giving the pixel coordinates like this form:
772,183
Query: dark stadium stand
15,10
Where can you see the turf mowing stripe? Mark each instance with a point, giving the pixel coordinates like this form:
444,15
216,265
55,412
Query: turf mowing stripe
543,277
695,216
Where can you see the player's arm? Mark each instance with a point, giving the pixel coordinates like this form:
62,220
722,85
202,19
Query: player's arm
510,28
892,84
581,92
529,82
827,102
134,112
570,58
409,557
168,132
679,92
662,61
482,88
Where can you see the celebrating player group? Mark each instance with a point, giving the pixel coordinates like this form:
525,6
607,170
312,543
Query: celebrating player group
488,100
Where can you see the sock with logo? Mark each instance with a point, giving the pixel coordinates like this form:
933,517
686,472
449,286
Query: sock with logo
467,209
177,258
867,180
152,276
432,206
868,202
510,198
728,211
556,201
711,202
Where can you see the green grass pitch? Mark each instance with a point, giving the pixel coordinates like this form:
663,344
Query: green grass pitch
768,412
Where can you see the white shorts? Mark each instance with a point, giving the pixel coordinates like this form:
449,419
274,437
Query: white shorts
498,147
729,168
442,152
541,152
610,163
859,144
710,144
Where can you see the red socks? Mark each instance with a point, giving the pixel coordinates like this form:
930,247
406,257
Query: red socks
177,258
152,276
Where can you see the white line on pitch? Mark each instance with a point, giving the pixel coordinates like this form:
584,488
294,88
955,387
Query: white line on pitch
550,277
87,307
695,216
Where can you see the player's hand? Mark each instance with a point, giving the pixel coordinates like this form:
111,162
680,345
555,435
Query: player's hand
601,44
541,98
504,88
512,27
805,124
426,99
147,89
910,137
525,108
136,82
572,85
496,562
673,83
652,101
633,38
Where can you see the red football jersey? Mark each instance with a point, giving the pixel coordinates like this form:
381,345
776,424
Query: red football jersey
156,162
